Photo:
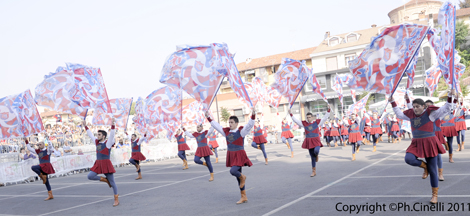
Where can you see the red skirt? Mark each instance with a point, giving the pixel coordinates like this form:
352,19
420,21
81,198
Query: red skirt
103,167
214,144
203,151
426,147
47,168
344,132
312,142
183,147
449,131
260,139
327,133
138,156
237,158
334,133
460,125
375,131
355,137
395,128
287,134
367,129
440,137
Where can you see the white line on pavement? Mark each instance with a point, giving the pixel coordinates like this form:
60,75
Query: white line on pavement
329,185
381,196
401,176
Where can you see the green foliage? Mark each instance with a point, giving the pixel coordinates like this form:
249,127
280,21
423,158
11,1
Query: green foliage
465,90
225,114
464,4
461,33
435,94
132,112
371,98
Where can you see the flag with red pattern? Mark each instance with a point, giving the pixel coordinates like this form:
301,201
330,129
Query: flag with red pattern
120,107
290,78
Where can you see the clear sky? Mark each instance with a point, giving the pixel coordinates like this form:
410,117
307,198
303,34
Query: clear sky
130,40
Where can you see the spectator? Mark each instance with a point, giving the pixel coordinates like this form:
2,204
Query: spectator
28,155
80,152
67,149
57,153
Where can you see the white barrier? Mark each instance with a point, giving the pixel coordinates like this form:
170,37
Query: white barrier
11,172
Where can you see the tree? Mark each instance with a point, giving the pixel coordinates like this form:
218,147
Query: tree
225,114
461,33
132,112
371,98
464,4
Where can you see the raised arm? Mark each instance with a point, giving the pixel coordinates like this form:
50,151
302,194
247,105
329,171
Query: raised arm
142,139
246,130
443,110
110,141
325,117
215,124
296,121
89,132
211,131
397,110
31,149
408,102
188,134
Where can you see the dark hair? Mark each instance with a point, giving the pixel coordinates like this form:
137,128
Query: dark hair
429,101
103,132
134,135
234,118
310,114
419,101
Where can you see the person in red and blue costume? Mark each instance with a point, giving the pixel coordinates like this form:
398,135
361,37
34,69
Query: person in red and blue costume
344,131
213,145
312,140
440,137
424,144
287,135
259,140
376,130
335,131
203,150
460,125
103,163
355,136
137,155
182,148
45,167
326,133
394,128
236,155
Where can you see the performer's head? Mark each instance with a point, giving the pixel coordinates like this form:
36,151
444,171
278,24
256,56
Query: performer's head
41,145
311,117
101,135
352,117
429,103
257,123
134,136
199,128
284,120
418,106
233,122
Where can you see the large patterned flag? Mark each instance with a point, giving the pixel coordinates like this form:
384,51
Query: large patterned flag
273,97
120,107
90,89
19,116
433,74
139,116
228,68
410,72
338,87
446,18
399,97
316,87
164,107
194,69
56,92
193,114
358,106
348,79
383,63
257,91
290,78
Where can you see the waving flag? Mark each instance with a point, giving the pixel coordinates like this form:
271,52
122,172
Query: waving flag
382,64
290,78
90,89
194,70
56,91
164,107
257,91
316,86
433,75
446,18
139,116
19,116
193,114
358,106
273,97
120,107
399,97
348,79
338,87
228,68
410,72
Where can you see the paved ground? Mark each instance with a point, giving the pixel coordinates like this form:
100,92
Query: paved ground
284,187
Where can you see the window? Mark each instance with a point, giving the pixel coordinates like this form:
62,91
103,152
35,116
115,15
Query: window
379,97
279,109
321,80
419,71
352,38
334,41
249,77
349,57
318,107
347,101
295,108
331,63
419,92
239,114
